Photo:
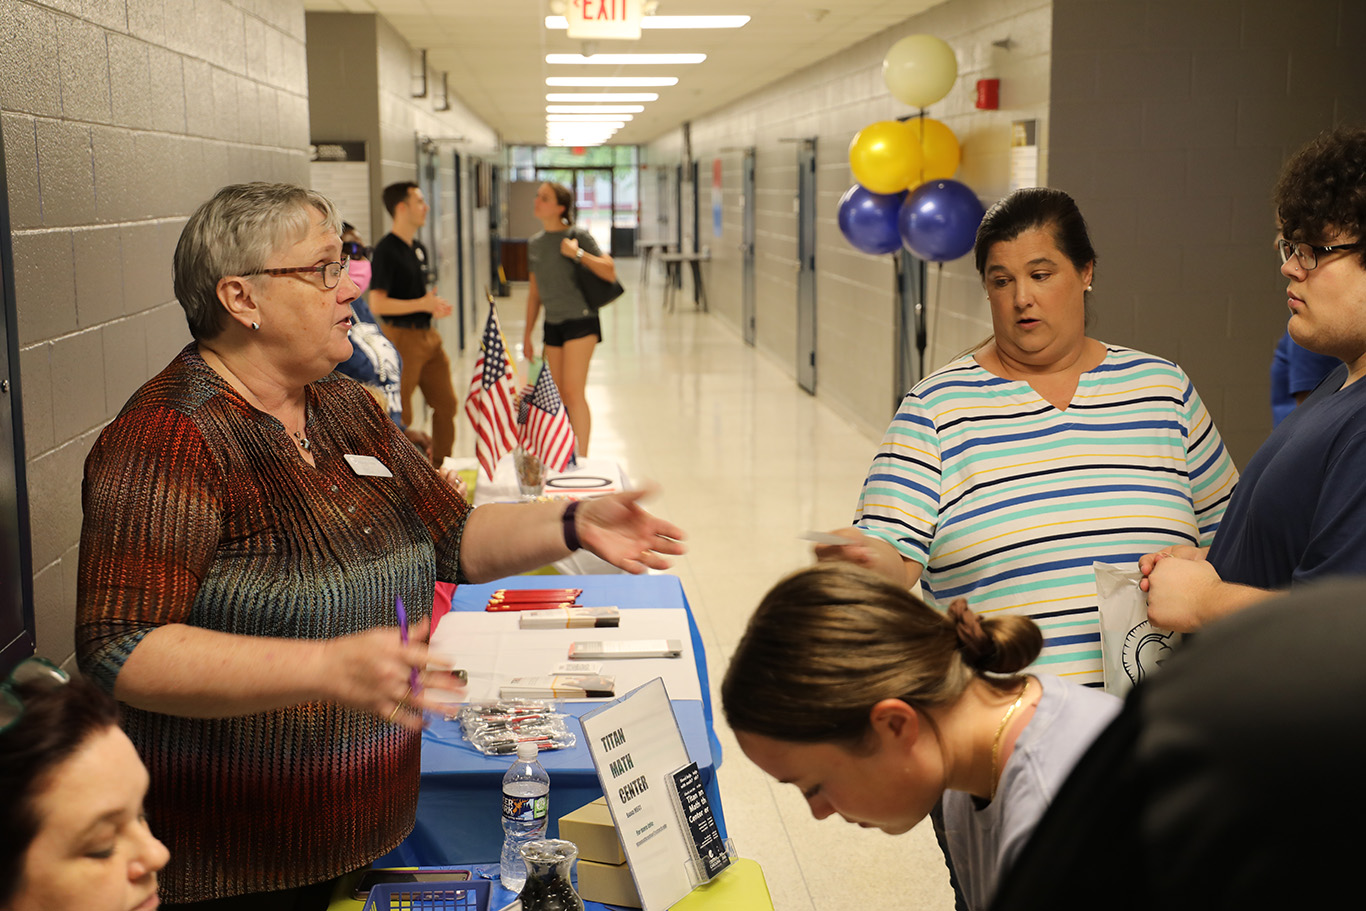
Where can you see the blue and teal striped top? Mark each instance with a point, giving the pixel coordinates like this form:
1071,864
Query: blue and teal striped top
1007,501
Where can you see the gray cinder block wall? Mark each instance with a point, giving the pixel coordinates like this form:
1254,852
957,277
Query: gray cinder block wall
118,120
1170,122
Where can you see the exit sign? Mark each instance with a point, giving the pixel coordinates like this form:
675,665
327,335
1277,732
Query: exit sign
604,18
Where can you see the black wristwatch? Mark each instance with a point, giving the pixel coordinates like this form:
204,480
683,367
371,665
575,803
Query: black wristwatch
571,534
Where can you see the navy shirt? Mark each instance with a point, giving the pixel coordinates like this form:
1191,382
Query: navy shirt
1299,512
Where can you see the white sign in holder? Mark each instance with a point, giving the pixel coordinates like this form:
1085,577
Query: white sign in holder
655,795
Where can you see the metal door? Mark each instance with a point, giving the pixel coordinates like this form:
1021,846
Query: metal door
678,219
747,199
429,179
806,265
661,205
460,247
17,623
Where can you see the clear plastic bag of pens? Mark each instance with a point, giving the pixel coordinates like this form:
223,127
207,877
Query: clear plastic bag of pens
495,728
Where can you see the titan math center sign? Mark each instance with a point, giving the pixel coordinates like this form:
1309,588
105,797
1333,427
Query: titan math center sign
604,18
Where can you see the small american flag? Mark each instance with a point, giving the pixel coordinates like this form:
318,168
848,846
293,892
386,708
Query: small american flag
489,403
546,431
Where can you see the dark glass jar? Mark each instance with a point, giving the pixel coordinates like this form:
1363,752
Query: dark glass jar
549,863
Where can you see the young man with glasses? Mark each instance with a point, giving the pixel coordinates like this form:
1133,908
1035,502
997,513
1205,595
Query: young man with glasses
1299,512
400,297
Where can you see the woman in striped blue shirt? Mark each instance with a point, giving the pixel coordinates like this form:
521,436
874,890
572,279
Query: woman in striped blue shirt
1007,473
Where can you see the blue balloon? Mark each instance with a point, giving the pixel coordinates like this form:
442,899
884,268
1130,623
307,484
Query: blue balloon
868,220
939,220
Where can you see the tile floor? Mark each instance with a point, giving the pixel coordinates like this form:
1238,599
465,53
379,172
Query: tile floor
745,460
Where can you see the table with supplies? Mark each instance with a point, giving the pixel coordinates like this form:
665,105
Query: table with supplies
459,805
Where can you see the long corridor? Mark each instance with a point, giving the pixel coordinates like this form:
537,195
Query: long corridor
746,461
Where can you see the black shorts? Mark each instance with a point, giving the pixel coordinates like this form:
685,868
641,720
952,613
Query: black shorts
556,334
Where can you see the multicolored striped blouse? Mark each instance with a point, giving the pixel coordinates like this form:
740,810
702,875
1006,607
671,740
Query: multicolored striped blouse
198,510
1007,501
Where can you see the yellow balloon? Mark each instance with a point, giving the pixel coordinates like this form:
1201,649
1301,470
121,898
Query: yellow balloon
885,156
919,70
940,154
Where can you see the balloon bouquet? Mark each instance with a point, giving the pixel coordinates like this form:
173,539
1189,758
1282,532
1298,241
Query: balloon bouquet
904,195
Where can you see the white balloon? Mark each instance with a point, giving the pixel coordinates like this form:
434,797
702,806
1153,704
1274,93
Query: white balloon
919,70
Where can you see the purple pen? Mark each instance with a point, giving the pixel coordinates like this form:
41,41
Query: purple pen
403,636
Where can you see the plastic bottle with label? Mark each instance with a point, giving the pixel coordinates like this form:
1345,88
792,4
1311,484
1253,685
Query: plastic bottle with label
526,812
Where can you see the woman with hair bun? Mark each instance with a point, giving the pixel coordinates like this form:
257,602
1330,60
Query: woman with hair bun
877,707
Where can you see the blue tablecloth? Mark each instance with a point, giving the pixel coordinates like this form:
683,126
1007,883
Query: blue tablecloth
459,807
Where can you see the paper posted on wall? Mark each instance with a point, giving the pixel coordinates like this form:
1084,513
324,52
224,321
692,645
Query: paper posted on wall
1131,647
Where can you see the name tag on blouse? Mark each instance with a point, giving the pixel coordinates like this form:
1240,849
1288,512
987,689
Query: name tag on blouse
367,466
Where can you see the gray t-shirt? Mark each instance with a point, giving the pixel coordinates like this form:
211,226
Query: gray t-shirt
984,843
560,294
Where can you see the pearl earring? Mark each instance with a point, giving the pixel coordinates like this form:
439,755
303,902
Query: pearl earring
1088,287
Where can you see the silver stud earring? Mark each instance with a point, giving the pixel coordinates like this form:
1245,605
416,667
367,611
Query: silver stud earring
257,326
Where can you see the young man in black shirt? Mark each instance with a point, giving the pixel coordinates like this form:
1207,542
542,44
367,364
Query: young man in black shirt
399,296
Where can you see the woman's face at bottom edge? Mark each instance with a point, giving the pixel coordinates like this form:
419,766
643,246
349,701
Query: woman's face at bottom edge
94,850
884,788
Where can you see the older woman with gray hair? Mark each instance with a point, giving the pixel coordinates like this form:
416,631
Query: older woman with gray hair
252,520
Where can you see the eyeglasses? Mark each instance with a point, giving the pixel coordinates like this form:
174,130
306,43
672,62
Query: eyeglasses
356,250
29,671
1308,254
331,272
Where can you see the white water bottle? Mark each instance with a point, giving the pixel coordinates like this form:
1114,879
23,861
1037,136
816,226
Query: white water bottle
526,812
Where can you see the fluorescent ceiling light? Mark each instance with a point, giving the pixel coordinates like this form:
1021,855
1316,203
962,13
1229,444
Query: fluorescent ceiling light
594,108
581,97
624,59
610,81
579,134
584,126
559,22
619,119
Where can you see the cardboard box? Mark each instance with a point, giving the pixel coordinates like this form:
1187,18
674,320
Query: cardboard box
610,884
590,828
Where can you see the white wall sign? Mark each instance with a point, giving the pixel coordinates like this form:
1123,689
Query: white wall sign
604,19
1024,154
338,170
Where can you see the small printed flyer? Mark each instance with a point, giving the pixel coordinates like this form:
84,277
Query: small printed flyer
636,746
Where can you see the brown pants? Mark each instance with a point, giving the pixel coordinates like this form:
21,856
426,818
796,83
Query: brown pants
426,367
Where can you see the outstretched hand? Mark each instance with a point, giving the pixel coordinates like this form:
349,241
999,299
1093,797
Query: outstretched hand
617,529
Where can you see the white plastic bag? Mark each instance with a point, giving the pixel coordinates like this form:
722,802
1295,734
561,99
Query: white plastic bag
1131,648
